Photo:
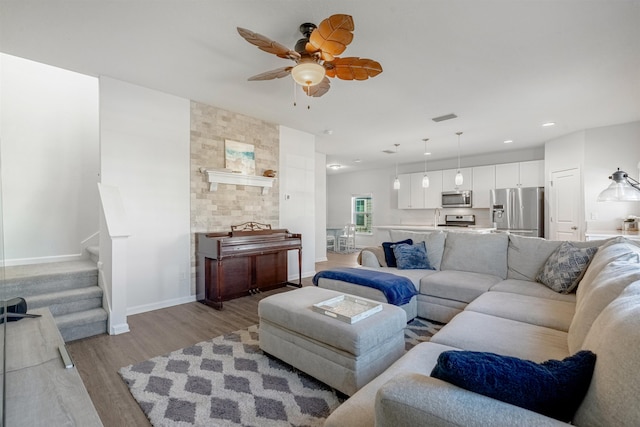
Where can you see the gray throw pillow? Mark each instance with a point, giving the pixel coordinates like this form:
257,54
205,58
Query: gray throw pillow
565,267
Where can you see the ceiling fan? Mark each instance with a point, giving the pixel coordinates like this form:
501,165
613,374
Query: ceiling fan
316,55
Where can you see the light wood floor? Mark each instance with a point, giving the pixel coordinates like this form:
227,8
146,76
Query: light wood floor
159,332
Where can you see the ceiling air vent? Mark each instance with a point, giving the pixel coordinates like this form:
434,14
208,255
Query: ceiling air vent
389,151
445,117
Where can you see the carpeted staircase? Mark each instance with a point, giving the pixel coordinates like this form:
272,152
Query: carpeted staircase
70,290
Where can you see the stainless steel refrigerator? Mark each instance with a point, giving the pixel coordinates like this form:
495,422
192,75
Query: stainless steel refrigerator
518,210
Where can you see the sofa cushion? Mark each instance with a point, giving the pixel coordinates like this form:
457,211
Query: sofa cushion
482,332
360,409
389,255
411,257
457,285
477,253
603,289
527,255
565,266
554,388
533,289
434,241
612,398
524,308
618,249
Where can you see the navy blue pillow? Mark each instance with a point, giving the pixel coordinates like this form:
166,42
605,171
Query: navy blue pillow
554,388
389,257
411,257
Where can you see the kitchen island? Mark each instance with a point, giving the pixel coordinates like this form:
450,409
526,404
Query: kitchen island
607,234
469,229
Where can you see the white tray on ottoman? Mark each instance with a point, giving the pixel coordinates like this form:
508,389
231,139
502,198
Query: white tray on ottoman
343,355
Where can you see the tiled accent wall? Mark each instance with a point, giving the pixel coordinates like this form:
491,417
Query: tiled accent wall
230,204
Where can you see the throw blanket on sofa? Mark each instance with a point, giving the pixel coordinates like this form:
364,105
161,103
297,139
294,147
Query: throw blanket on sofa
398,290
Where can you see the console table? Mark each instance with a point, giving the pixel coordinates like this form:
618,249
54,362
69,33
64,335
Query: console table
40,391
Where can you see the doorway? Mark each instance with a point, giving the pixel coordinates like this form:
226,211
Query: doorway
565,202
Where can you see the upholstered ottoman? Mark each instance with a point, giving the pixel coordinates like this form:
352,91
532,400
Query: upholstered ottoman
342,355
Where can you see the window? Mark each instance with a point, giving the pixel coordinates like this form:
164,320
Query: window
361,213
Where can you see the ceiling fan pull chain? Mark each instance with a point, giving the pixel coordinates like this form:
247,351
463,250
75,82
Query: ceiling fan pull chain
295,94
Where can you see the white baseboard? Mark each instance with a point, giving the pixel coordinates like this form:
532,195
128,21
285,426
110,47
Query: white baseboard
42,260
119,329
161,304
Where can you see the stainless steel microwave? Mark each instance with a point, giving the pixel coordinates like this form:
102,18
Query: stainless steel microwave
456,199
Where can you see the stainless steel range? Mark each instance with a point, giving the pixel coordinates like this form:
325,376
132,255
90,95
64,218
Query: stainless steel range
459,220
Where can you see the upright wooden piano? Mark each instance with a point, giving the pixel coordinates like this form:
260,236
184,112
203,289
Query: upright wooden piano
249,259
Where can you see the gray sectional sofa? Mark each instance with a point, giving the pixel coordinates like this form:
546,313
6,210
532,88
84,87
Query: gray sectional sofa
484,287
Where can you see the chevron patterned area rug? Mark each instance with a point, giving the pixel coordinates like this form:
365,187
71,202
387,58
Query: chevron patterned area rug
228,381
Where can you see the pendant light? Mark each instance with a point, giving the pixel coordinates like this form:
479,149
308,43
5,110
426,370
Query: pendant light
396,182
459,179
425,177
623,188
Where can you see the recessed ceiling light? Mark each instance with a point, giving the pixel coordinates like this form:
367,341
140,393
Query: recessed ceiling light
508,141
356,160
328,132
334,166
427,154
546,125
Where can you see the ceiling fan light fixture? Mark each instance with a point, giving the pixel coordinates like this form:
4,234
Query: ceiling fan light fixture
308,73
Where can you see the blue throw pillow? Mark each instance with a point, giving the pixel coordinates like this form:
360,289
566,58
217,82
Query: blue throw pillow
411,257
387,247
554,388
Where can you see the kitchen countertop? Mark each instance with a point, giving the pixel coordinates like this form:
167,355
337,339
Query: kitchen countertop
605,234
409,227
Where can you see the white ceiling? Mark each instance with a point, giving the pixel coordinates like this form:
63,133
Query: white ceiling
504,67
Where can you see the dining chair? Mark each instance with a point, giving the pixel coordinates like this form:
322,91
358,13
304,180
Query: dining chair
347,240
331,242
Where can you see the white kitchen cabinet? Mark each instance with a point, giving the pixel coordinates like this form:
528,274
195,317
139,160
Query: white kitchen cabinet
532,173
411,193
433,194
404,192
521,174
484,178
448,179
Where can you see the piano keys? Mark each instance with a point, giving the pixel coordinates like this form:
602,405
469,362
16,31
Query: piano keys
243,262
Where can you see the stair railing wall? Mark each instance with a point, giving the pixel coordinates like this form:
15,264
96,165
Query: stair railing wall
114,232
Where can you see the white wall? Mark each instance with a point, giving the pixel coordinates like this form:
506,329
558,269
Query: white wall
321,206
297,195
145,153
49,160
606,149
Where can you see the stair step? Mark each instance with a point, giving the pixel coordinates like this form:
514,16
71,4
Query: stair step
83,324
29,280
68,301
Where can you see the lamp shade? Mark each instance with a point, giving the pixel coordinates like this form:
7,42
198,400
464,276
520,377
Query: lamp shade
620,189
425,181
308,73
396,184
459,179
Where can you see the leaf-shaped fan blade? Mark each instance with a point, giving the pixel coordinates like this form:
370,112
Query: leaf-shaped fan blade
332,36
353,68
319,89
268,45
273,74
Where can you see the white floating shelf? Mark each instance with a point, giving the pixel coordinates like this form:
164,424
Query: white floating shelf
215,177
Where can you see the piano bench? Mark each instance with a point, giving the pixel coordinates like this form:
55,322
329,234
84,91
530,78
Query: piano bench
342,355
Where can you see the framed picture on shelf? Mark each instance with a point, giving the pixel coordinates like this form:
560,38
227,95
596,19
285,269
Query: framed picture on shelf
239,157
